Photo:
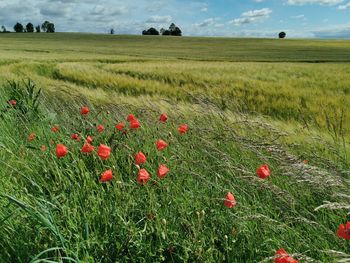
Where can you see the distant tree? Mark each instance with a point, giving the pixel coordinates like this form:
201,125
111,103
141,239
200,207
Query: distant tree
282,35
176,32
44,26
3,29
112,31
50,28
18,28
166,33
172,27
30,28
37,29
161,31
151,31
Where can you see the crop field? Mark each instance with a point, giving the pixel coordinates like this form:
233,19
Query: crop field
246,103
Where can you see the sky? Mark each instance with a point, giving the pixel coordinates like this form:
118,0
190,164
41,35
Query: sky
229,18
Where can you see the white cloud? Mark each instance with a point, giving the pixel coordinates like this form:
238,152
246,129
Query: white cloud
319,2
252,16
343,7
159,19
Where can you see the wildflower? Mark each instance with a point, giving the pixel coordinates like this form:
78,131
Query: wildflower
134,124
162,171
43,148
282,256
55,128
31,137
120,126
183,128
106,176
143,176
131,117
263,171
161,145
89,139
12,102
61,150
306,161
75,137
344,231
230,200
87,148
104,151
140,158
100,128
84,110
163,117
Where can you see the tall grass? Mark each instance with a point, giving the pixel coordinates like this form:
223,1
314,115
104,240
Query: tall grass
56,209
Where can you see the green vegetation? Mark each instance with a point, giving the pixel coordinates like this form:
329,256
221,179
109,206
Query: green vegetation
246,101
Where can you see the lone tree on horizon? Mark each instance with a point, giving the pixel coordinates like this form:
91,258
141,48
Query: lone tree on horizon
18,27
282,35
48,27
37,29
30,27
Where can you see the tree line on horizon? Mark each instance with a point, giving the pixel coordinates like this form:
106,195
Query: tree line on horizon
47,27
172,31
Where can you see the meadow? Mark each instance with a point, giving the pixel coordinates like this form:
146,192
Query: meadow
246,102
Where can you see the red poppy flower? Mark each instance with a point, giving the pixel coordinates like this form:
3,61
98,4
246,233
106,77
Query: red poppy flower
13,102
230,200
161,145
140,158
106,176
282,256
75,137
120,126
183,128
84,110
131,117
100,128
134,124
61,150
143,176
89,139
104,151
263,171
87,148
306,161
43,148
31,137
162,171
344,231
163,117
55,128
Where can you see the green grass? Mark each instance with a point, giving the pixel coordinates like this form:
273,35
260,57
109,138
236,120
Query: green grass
247,102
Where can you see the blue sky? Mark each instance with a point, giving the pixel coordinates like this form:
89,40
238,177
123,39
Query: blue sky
248,18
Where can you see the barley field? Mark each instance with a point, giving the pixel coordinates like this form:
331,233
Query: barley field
246,102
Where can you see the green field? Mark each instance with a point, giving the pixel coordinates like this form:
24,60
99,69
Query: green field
246,101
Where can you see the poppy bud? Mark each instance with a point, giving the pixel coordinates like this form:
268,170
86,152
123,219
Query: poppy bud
55,128
163,117
100,128
75,137
120,126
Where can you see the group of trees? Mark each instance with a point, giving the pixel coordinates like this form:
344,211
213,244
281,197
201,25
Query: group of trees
29,28
172,31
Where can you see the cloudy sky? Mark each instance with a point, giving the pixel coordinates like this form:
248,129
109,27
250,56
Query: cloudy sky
258,18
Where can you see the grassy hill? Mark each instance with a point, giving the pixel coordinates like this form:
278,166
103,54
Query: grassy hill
246,101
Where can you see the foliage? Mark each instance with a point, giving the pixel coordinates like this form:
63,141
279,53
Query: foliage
282,35
30,28
150,31
18,27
